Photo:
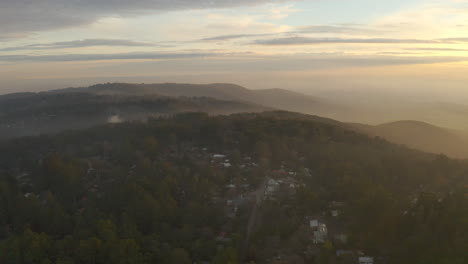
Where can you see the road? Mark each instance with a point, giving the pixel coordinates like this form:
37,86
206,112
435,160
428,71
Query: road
257,199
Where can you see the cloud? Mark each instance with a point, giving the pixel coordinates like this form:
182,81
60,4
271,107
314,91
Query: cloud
281,12
22,16
115,56
81,44
346,29
311,29
399,53
309,41
462,40
429,19
231,37
436,49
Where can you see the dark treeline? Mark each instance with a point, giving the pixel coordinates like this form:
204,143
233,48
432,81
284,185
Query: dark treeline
147,192
30,114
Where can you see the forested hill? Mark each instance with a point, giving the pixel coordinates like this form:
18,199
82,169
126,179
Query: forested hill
414,134
27,114
422,136
195,188
274,98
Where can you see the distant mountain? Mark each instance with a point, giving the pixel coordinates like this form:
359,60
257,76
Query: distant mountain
422,136
343,106
442,114
73,108
29,114
273,98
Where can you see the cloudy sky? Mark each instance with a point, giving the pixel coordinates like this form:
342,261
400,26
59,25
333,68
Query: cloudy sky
308,45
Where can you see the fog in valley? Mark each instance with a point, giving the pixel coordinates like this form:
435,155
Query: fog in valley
233,132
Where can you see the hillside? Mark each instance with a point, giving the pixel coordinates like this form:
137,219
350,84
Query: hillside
422,136
380,111
244,188
50,112
33,114
273,98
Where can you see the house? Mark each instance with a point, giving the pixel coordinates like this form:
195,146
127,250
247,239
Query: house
320,231
271,188
272,182
320,235
223,238
335,204
366,260
342,252
343,238
245,186
307,172
314,224
279,173
335,213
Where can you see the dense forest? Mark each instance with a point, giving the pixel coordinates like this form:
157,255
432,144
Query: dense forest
195,188
30,114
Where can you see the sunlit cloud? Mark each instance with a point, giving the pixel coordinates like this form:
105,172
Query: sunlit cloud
113,56
29,16
81,44
309,41
263,35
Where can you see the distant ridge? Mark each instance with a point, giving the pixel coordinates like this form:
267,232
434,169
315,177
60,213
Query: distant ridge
29,114
273,98
219,98
421,135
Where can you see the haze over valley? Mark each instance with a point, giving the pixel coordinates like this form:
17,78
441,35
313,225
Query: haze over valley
233,132
430,127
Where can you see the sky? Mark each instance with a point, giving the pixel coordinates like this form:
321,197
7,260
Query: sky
324,47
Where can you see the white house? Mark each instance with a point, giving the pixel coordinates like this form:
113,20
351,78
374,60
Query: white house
320,231
272,182
342,252
335,213
320,235
219,156
271,188
366,260
314,223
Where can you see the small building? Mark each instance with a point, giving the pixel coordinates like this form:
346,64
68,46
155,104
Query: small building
343,238
335,213
272,182
366,260
321,234
271,188
223,238
336,204
320,231
314,223
342,252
